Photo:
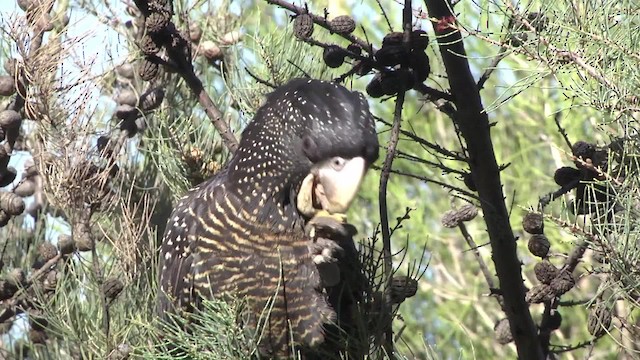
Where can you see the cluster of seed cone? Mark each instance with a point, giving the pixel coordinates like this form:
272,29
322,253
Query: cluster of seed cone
402,68
553,281
453,218
156,33
133,107
12,113
588,158
519,33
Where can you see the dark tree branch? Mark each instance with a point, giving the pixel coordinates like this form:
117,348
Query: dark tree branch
474,126
487,73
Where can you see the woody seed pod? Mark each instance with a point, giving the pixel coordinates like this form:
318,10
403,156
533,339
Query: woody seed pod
125,70
7,176
343,25
450,219
4,218
502,330
26,188
539,293
467,212
562,283
419,40
333,56
151,99
533,223
231,38
566,175
7,85
539,245
10,119
11,203
303,26
545,271
402,288
47,251
148,45
157,21
16,277
112,288
599,319
374,88
127,97
66,244
149,70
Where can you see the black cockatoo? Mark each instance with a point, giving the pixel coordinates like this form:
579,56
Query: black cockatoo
242,232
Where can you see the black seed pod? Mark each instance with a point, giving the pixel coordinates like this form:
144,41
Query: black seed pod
419,40
333,56
149,70
502,329
374,88
533,223
10,119
583,149
354,49
343,24
566,175
303,26
539,245
538,20
392,39
539,293
47,251
545,272
392,55
393,82
555,320
151,99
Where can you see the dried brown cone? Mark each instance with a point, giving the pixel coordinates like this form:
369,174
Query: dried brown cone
44,23
157,22
50,282
151,99
230,38
149,70
26,188
450,219
82,237
37,321
467,212
148,45
502,330
303,26
10,119
121,352
30,169
562,283
127,97
402,288
545,271
539,245
47,251
37,336
539,293
599,319
7,85
343,24
125,70
112,287
16,277
66,244
11,203
533,223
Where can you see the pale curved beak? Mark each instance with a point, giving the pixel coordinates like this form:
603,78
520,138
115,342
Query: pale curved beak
335,189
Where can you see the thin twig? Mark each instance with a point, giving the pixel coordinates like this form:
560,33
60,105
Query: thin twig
502,53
